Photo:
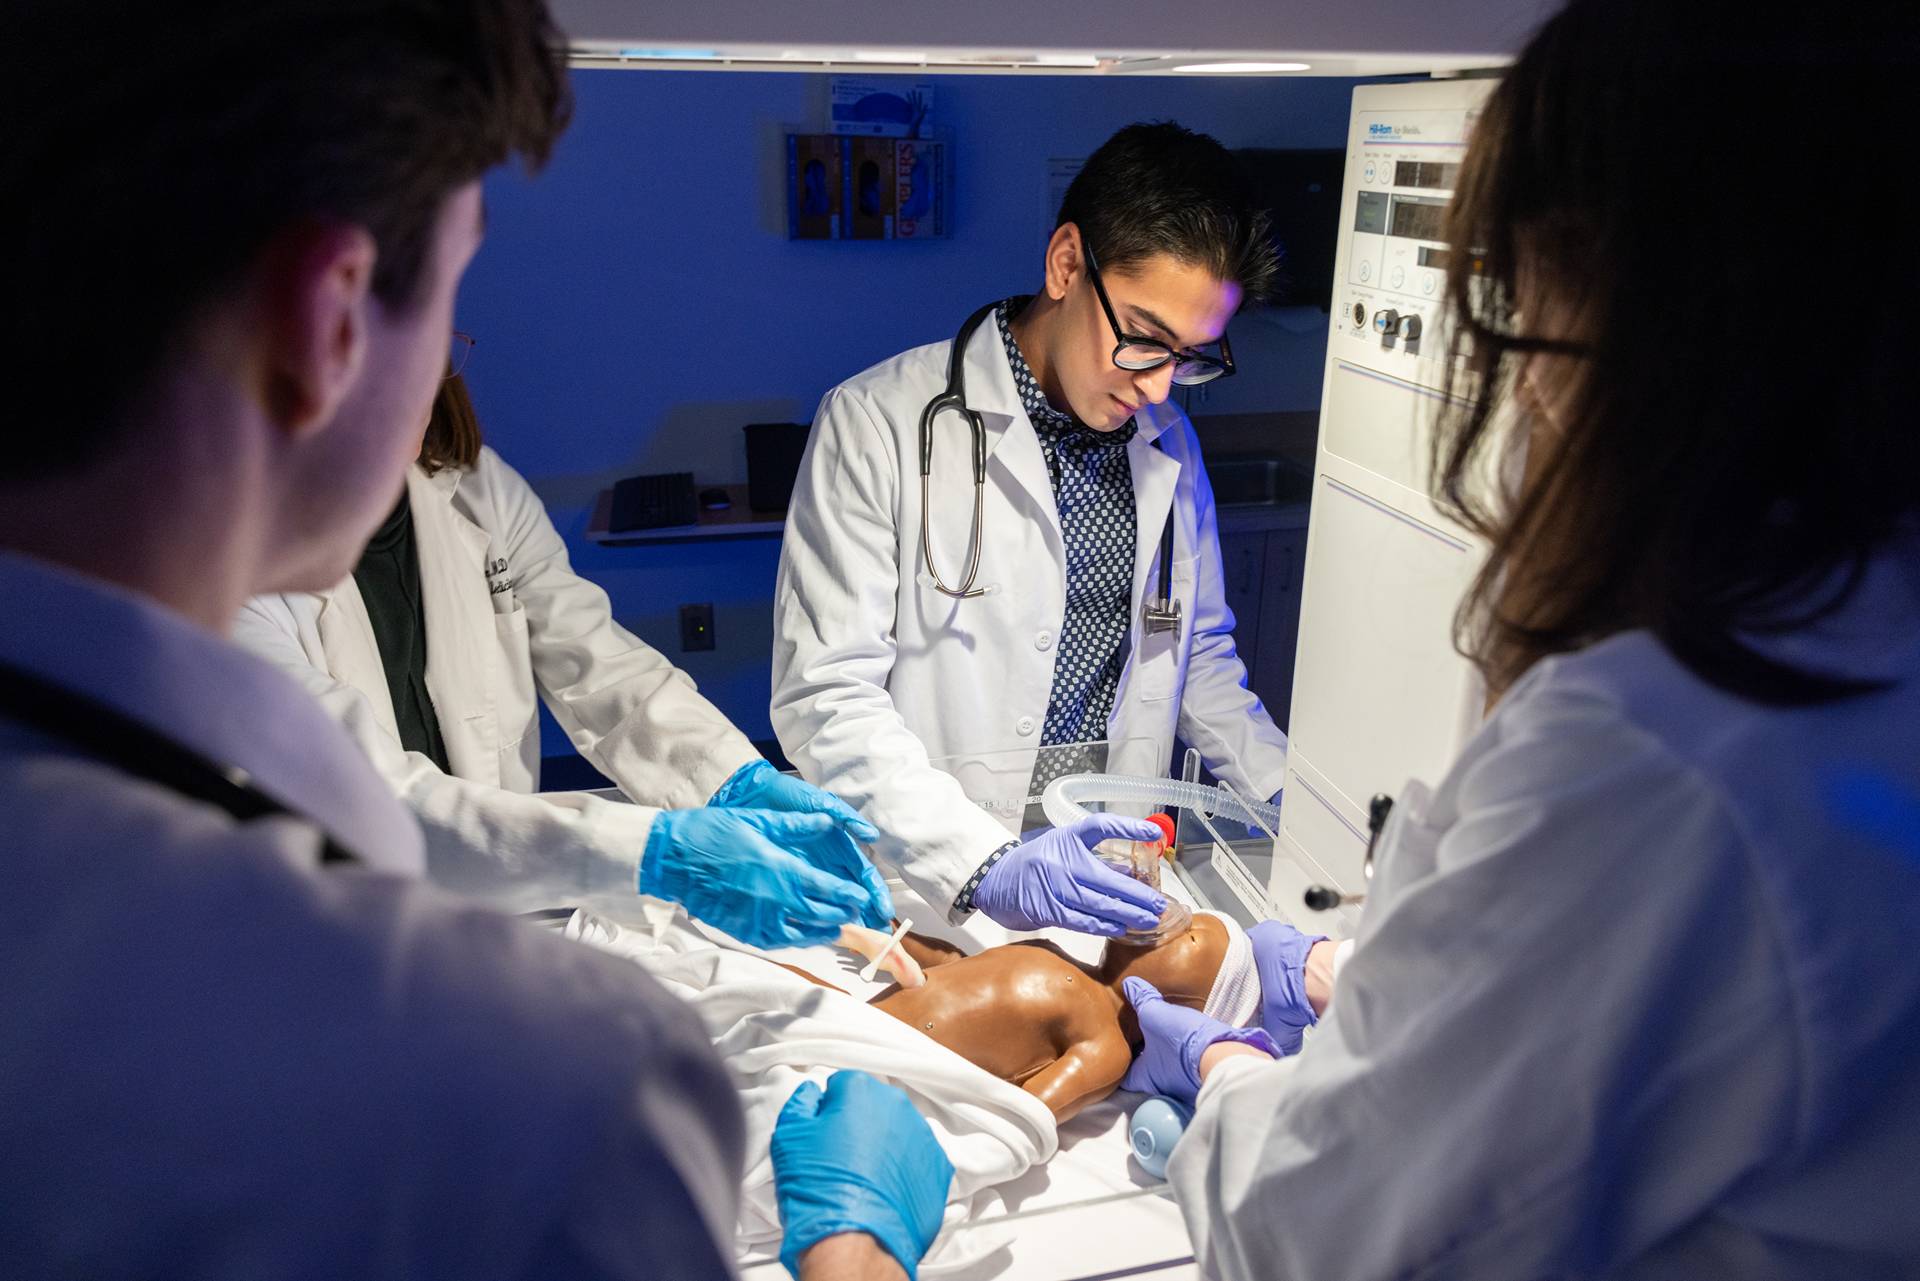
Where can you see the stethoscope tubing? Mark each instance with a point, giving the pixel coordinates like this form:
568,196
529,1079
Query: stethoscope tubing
1161,614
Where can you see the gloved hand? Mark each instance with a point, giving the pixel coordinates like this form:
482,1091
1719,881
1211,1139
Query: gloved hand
1054,879
856,1157
752,873
1176,1037
759,786
1280,956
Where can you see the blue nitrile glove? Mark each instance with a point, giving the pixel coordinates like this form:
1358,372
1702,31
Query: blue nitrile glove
856,1157
759,786
740,871
1280,955
1176,1037
1054,879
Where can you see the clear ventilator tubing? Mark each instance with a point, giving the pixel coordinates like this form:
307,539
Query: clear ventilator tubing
1065,800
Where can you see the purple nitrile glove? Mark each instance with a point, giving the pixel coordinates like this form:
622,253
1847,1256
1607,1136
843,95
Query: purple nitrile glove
1054,879
1280,955
759,786
1176,1037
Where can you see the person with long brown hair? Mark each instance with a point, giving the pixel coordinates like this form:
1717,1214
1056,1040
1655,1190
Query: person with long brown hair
1634,993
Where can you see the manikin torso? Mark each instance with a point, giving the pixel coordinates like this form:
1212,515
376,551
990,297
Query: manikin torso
1033,1016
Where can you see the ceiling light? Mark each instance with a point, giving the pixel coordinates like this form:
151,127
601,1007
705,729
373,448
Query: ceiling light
1242,68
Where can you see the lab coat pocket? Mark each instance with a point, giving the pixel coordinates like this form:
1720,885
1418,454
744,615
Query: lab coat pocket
1161,657
515,704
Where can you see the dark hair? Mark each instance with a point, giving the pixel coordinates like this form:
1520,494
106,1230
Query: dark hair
453,429
151,152
1161,189
1686,185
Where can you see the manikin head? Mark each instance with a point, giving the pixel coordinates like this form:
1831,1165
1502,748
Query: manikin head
242,249
1162,219
1182,966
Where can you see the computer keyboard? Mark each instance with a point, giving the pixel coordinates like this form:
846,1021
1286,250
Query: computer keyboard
653,502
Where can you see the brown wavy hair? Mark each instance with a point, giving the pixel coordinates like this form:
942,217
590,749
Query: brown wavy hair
453,429
162,184
1683,185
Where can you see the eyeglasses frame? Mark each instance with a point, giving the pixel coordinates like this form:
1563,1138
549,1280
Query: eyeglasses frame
1223,363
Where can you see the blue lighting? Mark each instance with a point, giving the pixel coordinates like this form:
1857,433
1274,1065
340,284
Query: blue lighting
1877,807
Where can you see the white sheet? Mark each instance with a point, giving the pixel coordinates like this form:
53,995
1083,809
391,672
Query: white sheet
774,1030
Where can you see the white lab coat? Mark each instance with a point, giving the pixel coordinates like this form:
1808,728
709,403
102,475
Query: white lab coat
1634,996
223,1061
875,671
509,621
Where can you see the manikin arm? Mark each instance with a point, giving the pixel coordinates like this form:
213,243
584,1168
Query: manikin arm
930,952
1088,1072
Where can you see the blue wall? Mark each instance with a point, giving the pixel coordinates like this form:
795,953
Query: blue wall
638,302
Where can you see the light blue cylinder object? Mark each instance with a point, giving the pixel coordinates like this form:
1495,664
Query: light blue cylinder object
1156,1126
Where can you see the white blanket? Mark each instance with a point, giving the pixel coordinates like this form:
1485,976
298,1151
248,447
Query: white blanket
774,1030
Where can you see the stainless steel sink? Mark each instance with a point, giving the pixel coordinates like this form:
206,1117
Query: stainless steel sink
1259,482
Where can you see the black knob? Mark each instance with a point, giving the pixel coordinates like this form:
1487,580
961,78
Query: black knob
1322,898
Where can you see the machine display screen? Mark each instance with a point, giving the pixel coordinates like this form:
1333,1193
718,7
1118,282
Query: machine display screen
1425,173
1429,256
1370,212
1417,219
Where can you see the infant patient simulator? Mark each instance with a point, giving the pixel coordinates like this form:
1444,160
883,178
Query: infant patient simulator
1021,1038
1059,1029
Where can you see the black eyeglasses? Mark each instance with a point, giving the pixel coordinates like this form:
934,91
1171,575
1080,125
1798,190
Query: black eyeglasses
458,350
1138,353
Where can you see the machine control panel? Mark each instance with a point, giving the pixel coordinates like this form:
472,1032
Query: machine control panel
1401,176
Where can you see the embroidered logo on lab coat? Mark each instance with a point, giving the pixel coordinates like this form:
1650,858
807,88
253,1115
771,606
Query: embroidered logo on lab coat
497,581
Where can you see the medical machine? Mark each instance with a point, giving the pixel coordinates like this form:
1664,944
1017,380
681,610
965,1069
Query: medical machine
1379,693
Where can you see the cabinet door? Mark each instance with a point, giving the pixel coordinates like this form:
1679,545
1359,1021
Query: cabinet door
1272,675
1243,560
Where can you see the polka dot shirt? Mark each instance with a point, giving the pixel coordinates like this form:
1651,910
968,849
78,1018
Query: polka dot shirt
1093,491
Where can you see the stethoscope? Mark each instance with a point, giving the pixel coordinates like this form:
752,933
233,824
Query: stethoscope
1324,898
1161,614
118,740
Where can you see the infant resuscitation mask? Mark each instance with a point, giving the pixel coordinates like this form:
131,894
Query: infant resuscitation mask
1141,860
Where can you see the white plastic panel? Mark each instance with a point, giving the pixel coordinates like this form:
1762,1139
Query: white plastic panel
1382,688
1375,421
1379,694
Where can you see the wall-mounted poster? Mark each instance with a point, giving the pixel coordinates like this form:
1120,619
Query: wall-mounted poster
881,106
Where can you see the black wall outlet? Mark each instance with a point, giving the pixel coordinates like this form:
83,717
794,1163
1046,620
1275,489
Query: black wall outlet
696,628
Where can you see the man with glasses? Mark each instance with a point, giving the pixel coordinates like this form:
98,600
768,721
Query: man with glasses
1035,565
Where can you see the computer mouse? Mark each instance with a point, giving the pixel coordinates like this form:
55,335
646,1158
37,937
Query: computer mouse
715,500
